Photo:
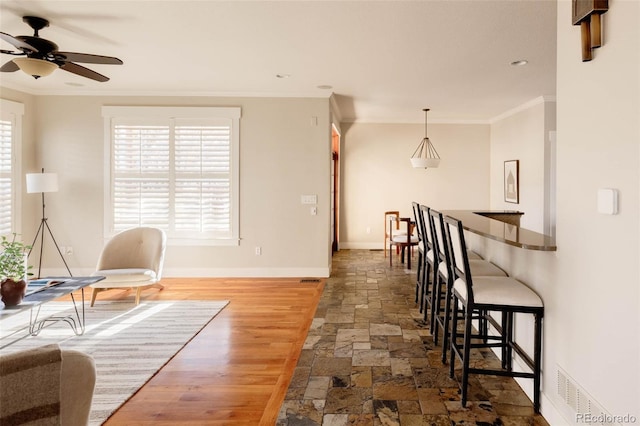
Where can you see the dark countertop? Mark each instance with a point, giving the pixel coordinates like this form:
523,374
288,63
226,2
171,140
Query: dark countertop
498,230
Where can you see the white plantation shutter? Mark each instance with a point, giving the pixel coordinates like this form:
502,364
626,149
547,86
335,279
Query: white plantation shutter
10,174
177,173
141,187
6,177
202,188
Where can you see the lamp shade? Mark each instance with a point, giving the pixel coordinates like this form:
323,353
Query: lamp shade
35,67
424,163
425,156
42,182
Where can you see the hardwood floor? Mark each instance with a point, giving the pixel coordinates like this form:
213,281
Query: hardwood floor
237,369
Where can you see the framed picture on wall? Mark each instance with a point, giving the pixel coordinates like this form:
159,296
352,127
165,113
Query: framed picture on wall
511,181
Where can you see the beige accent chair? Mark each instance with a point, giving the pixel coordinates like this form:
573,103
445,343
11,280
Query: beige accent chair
46,385
131,259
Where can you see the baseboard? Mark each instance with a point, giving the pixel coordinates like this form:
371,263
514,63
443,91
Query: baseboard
360,246
549,411
246,272
214,272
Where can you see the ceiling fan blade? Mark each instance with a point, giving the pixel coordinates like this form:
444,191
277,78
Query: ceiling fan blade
87,58
9,67
17,42
83,72
12,52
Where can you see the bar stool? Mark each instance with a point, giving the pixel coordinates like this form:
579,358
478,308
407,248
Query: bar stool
442,287
430,267
422,250
505,295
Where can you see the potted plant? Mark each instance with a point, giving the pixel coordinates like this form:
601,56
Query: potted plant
13,270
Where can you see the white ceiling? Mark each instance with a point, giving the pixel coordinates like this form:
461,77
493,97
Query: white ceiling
385,60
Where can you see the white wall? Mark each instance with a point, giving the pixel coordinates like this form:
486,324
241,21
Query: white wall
590,286
283,155
523,135
598,143
378,176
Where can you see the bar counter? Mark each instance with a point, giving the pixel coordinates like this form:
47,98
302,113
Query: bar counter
502,226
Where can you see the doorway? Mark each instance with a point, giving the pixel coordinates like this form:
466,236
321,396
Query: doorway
335,185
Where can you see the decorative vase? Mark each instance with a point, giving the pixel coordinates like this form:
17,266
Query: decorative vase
12,291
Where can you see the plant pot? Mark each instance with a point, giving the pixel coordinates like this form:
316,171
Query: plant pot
12,291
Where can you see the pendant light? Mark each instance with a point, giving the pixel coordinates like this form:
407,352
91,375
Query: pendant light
425,155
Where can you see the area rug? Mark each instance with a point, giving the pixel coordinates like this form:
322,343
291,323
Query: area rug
129,343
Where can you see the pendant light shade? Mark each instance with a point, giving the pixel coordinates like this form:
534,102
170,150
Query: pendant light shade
425,156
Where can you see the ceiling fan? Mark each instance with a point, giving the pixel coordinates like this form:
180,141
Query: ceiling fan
41,57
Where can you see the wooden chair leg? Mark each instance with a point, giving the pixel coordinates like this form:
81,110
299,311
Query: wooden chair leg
94,293
139,290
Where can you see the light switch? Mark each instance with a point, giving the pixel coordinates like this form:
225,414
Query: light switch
309,199
607,201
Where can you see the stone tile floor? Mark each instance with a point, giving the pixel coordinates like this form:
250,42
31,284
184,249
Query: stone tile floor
369,359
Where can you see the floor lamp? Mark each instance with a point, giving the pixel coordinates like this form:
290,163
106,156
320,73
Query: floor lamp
44,182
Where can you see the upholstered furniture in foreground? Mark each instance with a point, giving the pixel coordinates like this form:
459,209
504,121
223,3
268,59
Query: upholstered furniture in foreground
46,385
131,259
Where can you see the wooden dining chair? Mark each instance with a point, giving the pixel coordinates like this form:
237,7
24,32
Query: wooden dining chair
403,242
388,231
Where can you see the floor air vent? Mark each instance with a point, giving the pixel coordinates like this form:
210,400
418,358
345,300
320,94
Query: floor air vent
309,280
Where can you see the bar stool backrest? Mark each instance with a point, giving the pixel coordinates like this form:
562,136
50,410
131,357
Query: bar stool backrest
458,253
428,231
435,218
417,217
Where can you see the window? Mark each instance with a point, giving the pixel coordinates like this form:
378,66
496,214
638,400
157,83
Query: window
174,169
10,182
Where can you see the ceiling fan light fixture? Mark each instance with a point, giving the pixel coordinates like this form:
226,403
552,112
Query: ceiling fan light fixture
425,156
35,67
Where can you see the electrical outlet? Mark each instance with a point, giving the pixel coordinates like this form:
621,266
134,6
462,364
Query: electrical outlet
258,250
368,230
68,250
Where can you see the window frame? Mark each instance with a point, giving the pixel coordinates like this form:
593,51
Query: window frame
13,112
112,114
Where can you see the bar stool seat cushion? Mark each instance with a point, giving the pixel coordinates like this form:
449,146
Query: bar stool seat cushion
472,255
478,268
430,256
501,291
